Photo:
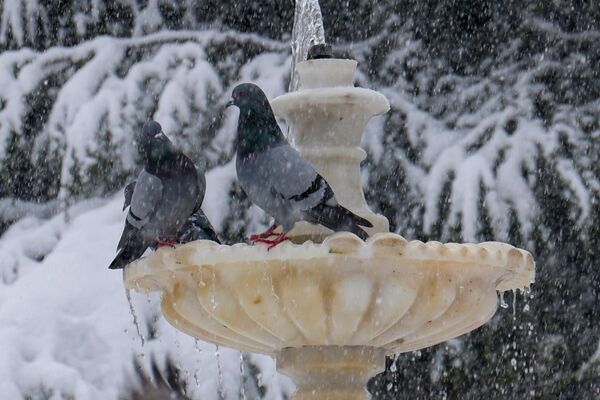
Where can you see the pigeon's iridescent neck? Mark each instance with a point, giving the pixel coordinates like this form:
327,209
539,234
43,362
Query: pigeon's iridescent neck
257,131
167,164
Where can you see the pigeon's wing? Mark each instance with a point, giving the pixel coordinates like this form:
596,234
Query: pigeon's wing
295,180
291,176
145,198
201,188
197,227
128,192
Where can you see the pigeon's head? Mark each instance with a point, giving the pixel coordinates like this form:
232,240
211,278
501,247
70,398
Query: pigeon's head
153,144
248,96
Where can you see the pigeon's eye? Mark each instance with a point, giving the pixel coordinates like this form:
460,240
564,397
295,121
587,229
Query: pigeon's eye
241,93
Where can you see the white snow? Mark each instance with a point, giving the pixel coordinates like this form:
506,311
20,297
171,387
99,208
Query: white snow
65,323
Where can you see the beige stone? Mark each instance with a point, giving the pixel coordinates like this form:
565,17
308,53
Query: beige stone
387,294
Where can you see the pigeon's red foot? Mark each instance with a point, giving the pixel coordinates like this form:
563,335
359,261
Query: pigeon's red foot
266,234
281,237
161,243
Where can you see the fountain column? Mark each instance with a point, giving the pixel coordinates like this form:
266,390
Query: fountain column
331,372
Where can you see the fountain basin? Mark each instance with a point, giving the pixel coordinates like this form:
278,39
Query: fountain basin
384,293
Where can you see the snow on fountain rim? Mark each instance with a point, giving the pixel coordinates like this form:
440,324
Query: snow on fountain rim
381,245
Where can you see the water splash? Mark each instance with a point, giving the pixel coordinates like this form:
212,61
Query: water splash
135,320
307,31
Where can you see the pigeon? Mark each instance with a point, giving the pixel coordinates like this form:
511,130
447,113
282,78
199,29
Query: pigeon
164,195
277,178
197,226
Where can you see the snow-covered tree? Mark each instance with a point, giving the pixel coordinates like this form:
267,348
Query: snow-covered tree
494,134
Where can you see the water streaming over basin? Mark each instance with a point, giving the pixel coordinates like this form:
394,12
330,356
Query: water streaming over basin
222,390
134,316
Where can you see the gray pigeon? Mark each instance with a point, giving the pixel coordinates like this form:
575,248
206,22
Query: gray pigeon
165,194
277,178
197,226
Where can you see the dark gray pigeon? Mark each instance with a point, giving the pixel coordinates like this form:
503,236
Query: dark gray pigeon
197,226
277,178
164,196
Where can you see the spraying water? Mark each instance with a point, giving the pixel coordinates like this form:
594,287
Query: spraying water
307,31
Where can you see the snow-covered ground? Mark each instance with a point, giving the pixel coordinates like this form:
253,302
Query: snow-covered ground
66,327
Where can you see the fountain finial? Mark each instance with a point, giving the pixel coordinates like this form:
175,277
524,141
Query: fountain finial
319,51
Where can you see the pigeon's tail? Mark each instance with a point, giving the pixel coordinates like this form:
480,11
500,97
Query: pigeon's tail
126,255
338,218
197,227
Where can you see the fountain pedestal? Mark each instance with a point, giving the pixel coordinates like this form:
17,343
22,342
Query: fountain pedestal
331,372
342,303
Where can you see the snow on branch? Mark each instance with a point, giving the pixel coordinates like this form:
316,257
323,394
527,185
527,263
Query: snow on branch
92,98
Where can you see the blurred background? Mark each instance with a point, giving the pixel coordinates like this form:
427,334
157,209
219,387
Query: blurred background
493,134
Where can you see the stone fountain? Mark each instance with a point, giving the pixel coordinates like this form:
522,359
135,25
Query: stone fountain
330,307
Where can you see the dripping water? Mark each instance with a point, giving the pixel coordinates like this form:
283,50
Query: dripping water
526,299
242,377
222,393
135,320
197,372
503,303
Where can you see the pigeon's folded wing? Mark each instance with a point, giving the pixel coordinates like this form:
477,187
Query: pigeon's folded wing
146,196
201,188
128,192
292,177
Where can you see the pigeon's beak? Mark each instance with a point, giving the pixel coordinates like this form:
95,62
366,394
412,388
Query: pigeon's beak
161,135
229,103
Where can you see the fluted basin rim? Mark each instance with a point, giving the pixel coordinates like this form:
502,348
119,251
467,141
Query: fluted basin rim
385,292
519,263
